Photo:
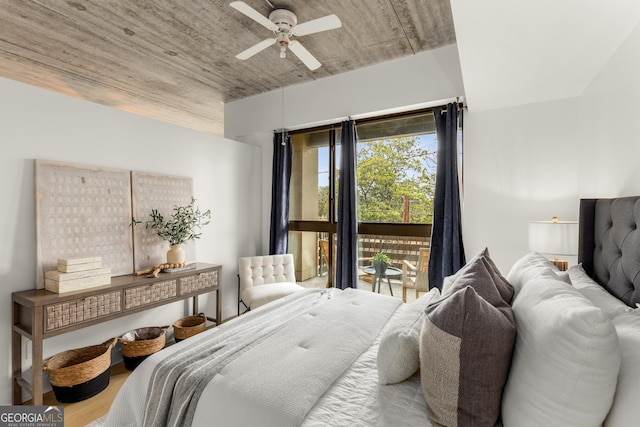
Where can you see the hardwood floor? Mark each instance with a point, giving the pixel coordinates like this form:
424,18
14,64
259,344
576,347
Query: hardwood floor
82,413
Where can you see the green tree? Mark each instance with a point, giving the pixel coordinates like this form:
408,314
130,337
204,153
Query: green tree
389,171
323,202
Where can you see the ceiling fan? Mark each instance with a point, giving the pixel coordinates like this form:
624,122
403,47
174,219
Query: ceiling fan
284,25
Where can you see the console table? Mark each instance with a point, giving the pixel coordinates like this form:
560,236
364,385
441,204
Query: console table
39,314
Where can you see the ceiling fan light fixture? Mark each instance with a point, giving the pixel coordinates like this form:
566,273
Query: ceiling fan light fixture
283,39
283,42
284,24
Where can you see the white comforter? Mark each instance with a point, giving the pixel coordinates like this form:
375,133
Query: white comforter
346,389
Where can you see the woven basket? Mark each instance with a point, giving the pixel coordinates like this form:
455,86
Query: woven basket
189,326
80,373
143,341
140,343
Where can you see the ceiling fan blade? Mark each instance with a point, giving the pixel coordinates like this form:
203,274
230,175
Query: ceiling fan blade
242,7
328,22
304,55
255,49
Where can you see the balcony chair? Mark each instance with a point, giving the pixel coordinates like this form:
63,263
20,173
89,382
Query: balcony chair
421,280
262,279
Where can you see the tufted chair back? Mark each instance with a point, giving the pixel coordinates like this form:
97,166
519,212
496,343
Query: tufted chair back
262,270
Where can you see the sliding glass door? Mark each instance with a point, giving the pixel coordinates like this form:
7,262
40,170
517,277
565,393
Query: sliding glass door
312,209
396,158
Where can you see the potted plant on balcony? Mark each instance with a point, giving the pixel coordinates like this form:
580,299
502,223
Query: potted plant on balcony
182,226
380,263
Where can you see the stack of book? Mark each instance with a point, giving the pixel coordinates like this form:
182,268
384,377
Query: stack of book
77,273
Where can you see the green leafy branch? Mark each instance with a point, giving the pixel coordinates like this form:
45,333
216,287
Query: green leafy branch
183,225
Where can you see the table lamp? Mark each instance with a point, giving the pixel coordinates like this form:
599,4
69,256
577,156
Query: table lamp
554,238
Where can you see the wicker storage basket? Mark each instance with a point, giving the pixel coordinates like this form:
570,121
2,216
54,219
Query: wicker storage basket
140,343
189,326
81,373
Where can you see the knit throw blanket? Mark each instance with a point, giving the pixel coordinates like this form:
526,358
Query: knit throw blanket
270,367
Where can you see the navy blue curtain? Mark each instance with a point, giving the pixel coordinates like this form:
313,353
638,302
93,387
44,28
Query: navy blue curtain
447,250
280,181
347,235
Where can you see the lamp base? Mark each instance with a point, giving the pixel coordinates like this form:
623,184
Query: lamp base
562,264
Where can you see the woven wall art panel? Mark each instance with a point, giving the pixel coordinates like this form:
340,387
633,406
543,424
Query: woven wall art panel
161,192
82,211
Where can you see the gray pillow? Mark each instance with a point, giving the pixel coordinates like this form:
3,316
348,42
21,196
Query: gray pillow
482,274
465,354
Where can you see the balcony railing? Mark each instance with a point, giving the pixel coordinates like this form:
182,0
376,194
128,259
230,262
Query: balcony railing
398,248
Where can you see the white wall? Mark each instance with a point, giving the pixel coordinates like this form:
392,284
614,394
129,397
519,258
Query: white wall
378,87
519,165
609,152
35,123
418,79
536,161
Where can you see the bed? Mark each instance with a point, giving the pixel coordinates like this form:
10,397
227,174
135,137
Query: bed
534,347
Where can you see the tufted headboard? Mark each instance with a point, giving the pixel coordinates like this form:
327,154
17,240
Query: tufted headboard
609,246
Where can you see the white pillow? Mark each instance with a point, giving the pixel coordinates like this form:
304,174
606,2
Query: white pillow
530,266
552,273
598,295
399,350
624,412
565,362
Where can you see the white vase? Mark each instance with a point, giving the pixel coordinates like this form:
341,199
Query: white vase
176,254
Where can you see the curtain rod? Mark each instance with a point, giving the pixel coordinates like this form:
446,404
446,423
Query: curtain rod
337,125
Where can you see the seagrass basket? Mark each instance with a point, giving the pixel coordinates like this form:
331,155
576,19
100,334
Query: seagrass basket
80,373
140,343
189,326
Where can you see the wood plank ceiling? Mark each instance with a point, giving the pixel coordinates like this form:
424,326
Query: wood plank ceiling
175,60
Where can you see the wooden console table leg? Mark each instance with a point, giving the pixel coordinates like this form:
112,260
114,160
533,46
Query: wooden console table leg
36,357
16,357
218,318
194,305
218,307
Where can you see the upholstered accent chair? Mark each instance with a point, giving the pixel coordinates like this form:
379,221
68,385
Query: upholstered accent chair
262,279
416,277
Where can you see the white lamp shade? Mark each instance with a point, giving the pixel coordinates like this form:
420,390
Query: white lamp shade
554,238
